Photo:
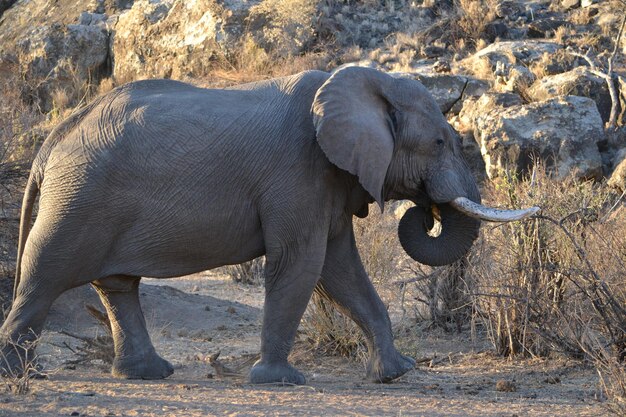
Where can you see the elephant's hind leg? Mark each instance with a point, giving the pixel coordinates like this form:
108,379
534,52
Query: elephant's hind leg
345,282
135,357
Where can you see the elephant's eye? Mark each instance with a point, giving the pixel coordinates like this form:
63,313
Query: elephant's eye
439,142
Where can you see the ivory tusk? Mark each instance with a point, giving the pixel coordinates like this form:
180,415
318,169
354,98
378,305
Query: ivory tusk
489,214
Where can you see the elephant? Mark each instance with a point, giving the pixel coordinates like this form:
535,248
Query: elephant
159,178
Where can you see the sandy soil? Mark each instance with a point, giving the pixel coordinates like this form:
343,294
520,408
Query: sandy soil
193,317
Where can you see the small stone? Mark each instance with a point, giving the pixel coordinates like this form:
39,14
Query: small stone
441,66
505,386
231,310
570,4
552,380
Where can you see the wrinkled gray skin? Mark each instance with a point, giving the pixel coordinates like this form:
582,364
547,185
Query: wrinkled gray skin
161,179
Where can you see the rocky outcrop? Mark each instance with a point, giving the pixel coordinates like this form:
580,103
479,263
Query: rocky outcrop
578,82
485,62
449,91
564,132
168,38
176,38
478,106
56,50
465,124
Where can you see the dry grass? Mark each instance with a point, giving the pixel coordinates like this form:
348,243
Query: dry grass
534,277
329,332
19,137
97,348
251,273
556,283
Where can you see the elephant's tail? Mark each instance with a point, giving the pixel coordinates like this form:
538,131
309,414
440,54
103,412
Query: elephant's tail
30,194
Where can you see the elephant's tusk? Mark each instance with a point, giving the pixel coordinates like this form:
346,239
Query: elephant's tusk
489,214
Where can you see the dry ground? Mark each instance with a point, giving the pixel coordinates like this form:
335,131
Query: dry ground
193,317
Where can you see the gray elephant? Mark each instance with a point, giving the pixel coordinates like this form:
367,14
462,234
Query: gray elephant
159,178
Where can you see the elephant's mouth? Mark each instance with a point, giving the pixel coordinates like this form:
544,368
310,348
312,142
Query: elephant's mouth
439,234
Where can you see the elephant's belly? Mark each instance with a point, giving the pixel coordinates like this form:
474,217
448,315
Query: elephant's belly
182,243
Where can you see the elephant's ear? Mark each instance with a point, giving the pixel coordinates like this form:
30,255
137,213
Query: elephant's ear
354,127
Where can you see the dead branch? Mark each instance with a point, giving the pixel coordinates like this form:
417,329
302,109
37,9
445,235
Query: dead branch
221,370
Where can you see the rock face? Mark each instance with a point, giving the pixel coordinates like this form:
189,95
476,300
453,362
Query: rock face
564,132
465,123
524,52
283,28
545,28
446,89
176,38
449,91
168,38
63,56
578,82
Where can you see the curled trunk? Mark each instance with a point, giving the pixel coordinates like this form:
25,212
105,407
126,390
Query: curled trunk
458,232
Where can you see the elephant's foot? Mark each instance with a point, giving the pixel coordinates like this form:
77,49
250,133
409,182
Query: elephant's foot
387,368
149,366
281,372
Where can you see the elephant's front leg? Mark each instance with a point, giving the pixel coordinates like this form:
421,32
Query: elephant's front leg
345,282
292,270
135,357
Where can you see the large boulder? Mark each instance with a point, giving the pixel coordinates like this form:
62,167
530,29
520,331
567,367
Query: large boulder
449,91
486,62
545,28
60,49
465,124
478,106
577,82
564,132
284,28
172,38
176,38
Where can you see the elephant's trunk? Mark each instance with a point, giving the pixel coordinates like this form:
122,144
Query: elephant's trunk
460,221
458,232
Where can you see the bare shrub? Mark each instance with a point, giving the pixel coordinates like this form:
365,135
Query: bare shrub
473,16
97,348
18,381
464,26
251,272
18,137
556,283
534,277
612,376
330,332
378,245
445,294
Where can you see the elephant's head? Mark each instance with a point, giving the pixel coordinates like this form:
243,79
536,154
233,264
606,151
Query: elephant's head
390,133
